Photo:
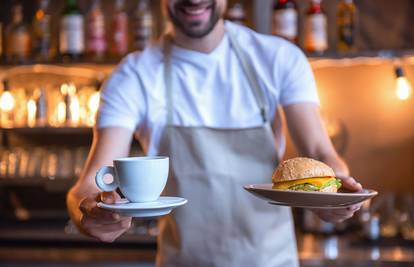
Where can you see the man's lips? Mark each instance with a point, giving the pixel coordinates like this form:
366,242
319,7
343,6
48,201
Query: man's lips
195,13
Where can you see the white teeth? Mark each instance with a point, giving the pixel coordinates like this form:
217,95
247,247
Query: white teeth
194,11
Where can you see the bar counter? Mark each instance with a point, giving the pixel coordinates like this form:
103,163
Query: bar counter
55,248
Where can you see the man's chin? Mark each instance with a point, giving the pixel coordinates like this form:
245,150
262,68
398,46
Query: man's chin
197,32
195,29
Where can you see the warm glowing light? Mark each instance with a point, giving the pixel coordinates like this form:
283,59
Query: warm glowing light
71,89
7,101
64,89
61,113
74,111
93,102
31,113
403,88
68,89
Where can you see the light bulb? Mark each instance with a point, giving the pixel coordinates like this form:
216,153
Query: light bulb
403,88
93,102
31,113
7,101
64,89
61,113
74,110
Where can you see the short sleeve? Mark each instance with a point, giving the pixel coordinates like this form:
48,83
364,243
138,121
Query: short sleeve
122,102
297,83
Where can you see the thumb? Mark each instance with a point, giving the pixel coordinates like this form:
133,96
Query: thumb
110,197
350,184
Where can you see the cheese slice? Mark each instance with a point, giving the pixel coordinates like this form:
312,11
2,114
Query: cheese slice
316,181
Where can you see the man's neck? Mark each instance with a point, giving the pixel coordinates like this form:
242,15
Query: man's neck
205,44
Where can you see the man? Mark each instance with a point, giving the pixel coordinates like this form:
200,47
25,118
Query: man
207,96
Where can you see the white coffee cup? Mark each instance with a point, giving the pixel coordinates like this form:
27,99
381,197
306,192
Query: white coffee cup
140,179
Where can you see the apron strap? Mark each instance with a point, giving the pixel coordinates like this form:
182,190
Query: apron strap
251,76
168,77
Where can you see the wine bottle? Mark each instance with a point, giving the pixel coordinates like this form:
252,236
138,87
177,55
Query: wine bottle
143,25
71,37
96,40
285,20
346,27
42,33
119,31
18,38
316,35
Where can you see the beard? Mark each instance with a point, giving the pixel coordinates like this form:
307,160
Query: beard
194,29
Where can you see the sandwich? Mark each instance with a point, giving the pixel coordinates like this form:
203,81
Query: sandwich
305,174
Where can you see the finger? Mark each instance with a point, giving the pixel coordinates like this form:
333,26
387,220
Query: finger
350,184
341,214
110,237
109,197
104,215
96,229
354,208
337,213
337,217
90,209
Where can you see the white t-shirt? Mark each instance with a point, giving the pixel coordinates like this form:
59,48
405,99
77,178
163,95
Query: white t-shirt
208,89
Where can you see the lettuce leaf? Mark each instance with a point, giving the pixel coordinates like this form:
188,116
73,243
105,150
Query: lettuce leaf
304,187
332,182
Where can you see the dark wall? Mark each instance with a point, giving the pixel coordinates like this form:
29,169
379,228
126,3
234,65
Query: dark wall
387,24
383,24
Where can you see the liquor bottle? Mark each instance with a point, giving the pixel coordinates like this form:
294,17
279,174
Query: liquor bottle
143,25
37,108
285,19
41,107
95,34
42,33
18,38
236,13
346,21
71,37
119,31
316,35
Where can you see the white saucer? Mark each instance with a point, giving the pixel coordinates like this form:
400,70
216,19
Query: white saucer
161,206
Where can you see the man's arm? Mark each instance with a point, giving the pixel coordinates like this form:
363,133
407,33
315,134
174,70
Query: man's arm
310,136
108,143
311,139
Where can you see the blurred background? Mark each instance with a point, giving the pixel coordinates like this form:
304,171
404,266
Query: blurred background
54,56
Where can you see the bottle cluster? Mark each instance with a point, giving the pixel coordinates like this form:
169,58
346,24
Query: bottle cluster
95,36
285,23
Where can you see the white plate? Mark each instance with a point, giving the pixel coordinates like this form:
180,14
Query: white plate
302,199
161,206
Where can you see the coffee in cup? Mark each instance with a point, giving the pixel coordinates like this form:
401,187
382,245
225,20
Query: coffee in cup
140,179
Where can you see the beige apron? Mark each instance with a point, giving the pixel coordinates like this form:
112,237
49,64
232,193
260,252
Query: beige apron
222,224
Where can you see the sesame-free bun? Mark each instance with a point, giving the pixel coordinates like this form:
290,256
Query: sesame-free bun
301,168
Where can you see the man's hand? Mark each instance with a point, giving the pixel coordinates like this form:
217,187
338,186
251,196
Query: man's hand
339,215
99,223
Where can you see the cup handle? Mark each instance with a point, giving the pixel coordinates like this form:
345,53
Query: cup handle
100,182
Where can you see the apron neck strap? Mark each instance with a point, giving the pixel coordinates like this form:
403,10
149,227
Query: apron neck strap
167,47
247,67
251,75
